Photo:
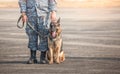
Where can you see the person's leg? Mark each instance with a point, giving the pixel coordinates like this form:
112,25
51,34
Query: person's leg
43,45
33,40
43,57
32,59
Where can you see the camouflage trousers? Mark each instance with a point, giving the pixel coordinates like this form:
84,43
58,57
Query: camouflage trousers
36,41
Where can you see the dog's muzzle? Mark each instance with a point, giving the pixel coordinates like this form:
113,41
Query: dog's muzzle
53,34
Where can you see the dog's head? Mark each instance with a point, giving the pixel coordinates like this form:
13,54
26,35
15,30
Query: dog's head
55,29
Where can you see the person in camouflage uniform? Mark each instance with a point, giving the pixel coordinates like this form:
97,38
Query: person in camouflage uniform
39,13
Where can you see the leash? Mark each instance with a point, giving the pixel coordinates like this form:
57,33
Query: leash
20,27
29,24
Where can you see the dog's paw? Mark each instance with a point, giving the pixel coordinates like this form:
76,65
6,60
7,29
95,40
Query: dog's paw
50,62
57,62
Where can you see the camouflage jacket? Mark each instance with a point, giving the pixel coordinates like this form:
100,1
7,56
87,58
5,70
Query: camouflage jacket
39,7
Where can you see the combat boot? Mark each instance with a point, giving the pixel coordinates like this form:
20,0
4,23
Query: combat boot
43,57
32,59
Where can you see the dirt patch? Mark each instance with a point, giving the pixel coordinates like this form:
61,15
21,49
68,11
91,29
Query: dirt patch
9,4
71,4
82,4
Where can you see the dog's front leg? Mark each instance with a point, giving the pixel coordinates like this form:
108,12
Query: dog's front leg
51,56
57,55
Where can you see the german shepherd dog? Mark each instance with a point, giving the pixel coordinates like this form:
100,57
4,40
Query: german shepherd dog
55,52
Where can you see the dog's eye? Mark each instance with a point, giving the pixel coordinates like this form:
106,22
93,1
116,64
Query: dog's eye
50,26
57,30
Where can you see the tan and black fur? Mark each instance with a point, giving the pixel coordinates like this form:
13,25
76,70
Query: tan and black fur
55,52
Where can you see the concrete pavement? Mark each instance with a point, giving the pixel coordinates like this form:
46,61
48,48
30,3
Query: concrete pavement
91,43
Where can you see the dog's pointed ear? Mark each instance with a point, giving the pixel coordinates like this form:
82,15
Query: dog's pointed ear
58,21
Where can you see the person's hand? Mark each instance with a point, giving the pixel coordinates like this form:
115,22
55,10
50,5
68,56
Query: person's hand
53,16
24,17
